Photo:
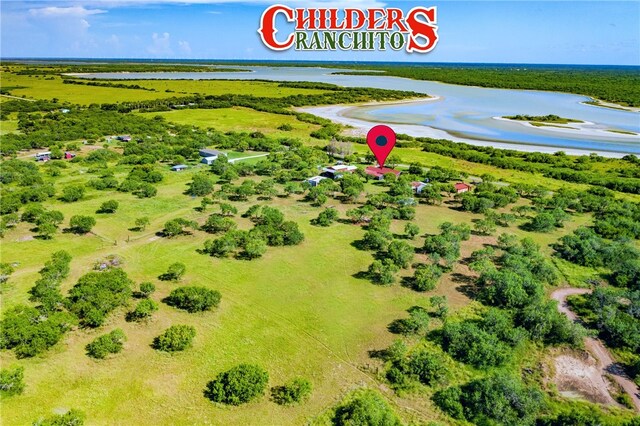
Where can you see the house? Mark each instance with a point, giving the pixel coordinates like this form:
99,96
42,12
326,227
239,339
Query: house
379,172
124,138
69,155
43,156
179,167
315,181
337,171
461,187
418,186
210,153
209,160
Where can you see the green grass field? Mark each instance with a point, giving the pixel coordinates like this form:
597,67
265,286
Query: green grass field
39,87
238,119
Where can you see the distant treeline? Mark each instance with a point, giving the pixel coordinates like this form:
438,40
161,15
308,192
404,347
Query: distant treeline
621,86
55,69
105,84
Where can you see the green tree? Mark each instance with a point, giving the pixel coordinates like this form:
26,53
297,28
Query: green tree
383,272
82,224
400,253
178,226
143,310
111,343
72,193
109,206
365,407
425,277
239,385
293,392
146,289
326,217
254,248
217,223
142,223
175,339
200,185
193,299
411,230
175,272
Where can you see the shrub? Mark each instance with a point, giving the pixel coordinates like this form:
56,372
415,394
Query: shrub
146,289
70,418
366,407
326,217
193,299
144,309
176,338
426,277
175,272
72,193
110,343
238,385
411,230
82,224
417,323
142,223
11,381
292,392
108,207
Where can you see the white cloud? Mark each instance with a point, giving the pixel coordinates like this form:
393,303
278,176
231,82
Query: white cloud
184,47
62,12
161,45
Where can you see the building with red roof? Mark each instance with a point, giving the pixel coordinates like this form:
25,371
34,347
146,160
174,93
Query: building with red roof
379,172
461,187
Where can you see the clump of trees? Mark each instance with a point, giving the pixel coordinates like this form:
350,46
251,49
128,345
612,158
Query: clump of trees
110,343
175,339
96,294
417,323
326,217
293,392
30,331
498,398
584,247
239,385
193,299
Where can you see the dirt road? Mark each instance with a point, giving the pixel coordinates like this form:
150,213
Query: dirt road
597,349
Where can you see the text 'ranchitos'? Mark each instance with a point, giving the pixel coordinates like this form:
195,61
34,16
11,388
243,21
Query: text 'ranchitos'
349,29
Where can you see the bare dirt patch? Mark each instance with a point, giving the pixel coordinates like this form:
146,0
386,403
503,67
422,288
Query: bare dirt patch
580,376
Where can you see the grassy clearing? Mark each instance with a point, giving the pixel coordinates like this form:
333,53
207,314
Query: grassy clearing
239,119
39,87
224,87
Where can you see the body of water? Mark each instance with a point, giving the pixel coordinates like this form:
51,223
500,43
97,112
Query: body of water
463,112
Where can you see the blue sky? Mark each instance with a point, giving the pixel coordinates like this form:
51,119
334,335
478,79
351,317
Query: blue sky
566,32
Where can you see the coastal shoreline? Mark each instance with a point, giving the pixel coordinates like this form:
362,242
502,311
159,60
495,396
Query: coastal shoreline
339,113
585,128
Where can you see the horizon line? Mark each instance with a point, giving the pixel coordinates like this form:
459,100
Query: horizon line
65,58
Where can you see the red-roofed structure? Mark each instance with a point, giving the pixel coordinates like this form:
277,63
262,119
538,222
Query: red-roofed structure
461,187
379,172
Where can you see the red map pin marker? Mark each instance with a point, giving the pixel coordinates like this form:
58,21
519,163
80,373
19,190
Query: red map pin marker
381,140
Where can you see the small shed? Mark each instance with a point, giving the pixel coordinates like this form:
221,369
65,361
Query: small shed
418,186
315,181
461,187
124,138
179,167
209,160
337,171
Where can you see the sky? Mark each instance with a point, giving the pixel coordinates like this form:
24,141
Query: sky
547,32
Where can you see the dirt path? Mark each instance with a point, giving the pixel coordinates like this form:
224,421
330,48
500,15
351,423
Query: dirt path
15,97
605,361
